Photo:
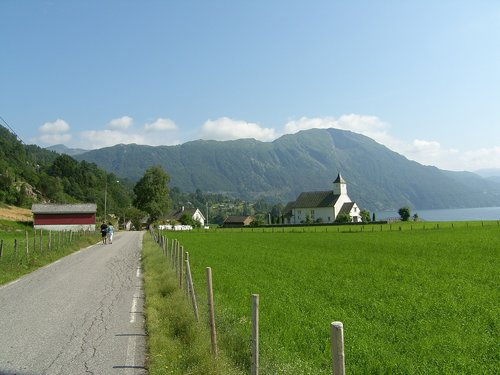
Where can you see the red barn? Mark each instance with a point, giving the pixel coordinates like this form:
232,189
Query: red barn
64,216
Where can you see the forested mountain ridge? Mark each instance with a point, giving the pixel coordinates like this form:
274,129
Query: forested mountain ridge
377,178
31,174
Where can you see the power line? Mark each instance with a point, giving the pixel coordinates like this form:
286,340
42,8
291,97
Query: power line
12,130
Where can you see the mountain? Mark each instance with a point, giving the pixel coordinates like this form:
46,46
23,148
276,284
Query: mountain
62,149
377,178
492,174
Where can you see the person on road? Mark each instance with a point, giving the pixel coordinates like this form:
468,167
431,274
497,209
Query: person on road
104,232
111,231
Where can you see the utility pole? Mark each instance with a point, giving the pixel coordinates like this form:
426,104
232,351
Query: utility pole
105,199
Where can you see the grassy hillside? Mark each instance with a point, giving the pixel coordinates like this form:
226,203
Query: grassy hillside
412,300
378,178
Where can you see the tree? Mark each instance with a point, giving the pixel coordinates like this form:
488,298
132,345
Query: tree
135,216
152,193
343,218
405,213
188,220
365,216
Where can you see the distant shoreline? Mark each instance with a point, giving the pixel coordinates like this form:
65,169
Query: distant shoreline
450,214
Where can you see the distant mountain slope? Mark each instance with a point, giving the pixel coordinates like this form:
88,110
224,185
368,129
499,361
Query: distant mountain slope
492,174
62,149
377,177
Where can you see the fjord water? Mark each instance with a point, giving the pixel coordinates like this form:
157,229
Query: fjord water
455,214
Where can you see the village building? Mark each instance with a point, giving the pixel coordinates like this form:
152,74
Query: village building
192,213
237,221
72,217
322,206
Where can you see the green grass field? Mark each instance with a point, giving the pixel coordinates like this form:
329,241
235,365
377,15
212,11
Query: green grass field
413,301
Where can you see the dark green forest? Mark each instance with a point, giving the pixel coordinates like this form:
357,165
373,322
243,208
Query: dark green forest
30,174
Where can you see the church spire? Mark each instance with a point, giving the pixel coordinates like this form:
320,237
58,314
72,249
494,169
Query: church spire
339,185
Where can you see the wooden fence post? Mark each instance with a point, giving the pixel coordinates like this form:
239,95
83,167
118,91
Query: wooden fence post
255,334
1,248
26,240
34,240
211,312
176,259
172,255
181,266
15,247
191,290
41,241
186,278
337,337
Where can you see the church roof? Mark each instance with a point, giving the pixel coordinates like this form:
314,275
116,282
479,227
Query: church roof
339,179
346,208
313,199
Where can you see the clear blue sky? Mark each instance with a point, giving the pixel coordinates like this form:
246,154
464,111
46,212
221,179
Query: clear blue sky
421,76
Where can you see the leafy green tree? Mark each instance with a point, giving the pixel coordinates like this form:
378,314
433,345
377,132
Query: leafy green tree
343,218
365,216
404,213
188,220
276,213
135,216
152,193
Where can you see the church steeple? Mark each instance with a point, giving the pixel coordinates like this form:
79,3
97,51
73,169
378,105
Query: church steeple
339,185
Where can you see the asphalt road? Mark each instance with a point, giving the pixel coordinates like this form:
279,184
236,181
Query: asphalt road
79,315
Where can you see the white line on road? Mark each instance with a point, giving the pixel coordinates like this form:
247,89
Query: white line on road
133,311
131,355
132,340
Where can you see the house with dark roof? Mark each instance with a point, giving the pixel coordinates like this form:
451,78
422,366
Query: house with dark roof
237,221
322,206
64,216
193,213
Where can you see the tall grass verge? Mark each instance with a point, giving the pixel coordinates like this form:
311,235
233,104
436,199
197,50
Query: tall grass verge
177,344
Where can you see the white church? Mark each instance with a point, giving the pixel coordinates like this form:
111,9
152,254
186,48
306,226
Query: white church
323,206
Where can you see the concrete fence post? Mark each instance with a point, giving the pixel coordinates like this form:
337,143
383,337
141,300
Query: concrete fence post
337,337
255,334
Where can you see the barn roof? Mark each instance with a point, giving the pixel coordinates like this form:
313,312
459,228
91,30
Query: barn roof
64,208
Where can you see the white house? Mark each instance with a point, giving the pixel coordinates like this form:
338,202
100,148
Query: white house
323,206
193,213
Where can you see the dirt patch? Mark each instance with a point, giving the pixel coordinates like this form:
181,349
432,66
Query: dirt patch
15,213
